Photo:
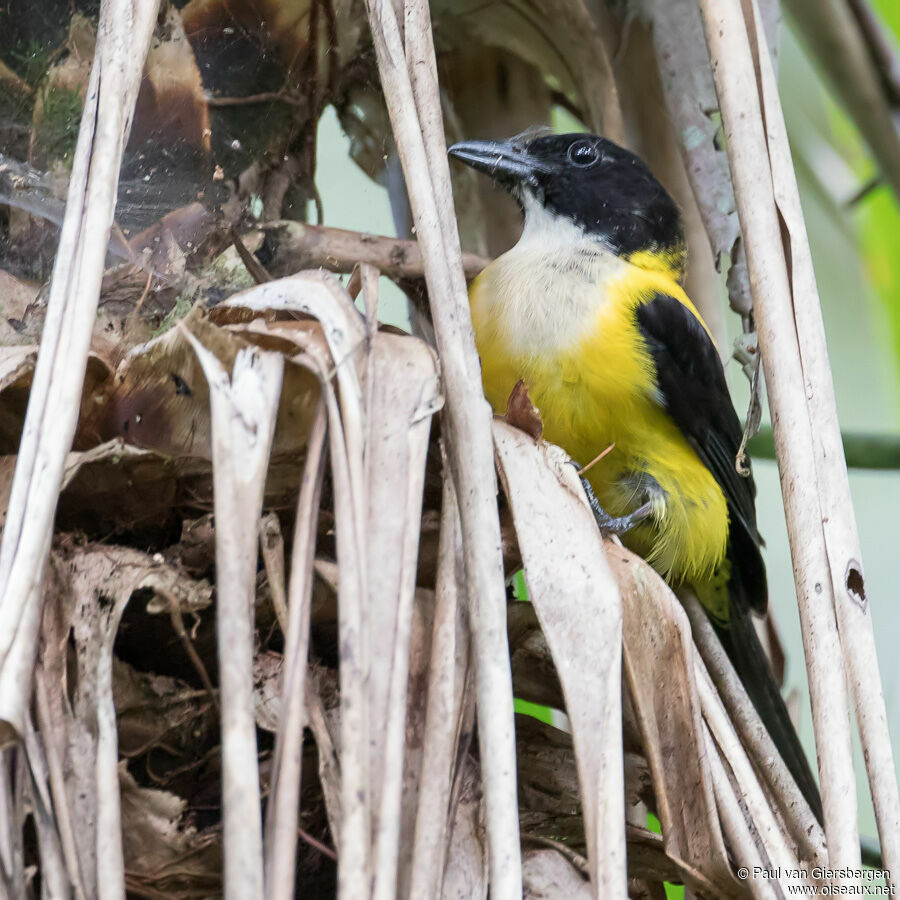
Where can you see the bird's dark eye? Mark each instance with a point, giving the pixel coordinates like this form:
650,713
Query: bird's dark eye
583,154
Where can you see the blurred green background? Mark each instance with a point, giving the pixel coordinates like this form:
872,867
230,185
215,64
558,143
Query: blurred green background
855,249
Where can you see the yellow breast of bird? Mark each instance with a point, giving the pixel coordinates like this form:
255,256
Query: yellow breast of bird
565,324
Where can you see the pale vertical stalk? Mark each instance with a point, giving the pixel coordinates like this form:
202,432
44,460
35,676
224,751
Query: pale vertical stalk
55,881
468,435
271,545
11,864
62,811
579,608
410,397
386,839
442,715
736,84
762,814
804,828
354,840
734,825
123,36
16,671
282,813
423,79
243,408
836,503
110,856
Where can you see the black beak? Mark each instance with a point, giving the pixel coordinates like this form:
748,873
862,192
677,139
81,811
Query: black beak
503,161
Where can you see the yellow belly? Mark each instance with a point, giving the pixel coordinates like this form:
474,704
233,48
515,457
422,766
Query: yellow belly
598,390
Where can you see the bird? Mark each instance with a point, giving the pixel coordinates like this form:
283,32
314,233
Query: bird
589,310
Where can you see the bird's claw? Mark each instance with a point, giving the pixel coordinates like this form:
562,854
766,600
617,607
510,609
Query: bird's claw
613,525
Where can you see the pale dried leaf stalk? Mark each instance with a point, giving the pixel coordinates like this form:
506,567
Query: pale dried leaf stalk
835,501
271,545
446,681
467,422
767,827
54,871
804,828
124,34
243,420
736,828
354,840
404,396
283,808
748,152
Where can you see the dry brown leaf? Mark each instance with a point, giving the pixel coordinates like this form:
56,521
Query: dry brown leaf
466,866
548,778
158,397
521,413
171,106
559,37
548,875
155,709
62,80
16,372
99,580
577,603
659,665
268,668
163,852
15,298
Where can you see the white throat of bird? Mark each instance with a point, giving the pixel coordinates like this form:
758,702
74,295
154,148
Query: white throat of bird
546,290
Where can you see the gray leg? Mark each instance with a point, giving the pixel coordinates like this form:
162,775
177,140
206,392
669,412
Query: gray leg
613,524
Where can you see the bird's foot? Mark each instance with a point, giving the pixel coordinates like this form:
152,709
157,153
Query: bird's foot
608,524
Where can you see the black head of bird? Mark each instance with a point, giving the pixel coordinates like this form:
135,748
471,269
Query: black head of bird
604,189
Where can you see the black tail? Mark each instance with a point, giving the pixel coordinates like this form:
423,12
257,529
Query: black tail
745,651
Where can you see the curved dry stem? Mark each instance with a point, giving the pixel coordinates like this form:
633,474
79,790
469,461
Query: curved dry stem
804,828
124,35
467,424
748,152
283,808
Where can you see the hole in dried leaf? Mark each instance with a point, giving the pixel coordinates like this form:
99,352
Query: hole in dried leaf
71,669
855,584
181,386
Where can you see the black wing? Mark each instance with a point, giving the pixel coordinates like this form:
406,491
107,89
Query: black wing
691,381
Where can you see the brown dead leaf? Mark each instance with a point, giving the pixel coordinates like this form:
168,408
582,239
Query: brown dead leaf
158,398
78,713
15,298
171,106
16,372
466,867
659,666
267,675
548,875
522,413
154,709
163,852
577,604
